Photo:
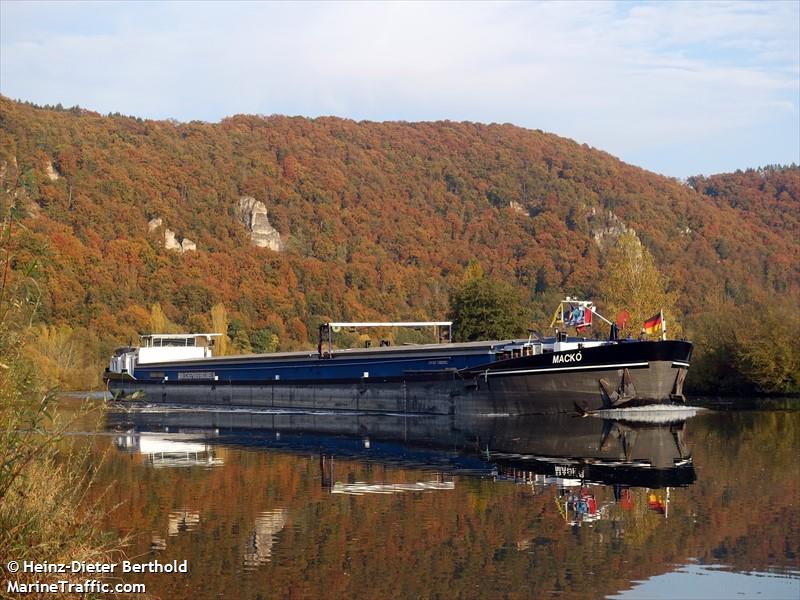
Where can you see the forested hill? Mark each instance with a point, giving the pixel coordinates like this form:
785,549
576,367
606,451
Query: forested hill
375,220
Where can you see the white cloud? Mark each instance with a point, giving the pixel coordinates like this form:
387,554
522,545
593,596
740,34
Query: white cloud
628,78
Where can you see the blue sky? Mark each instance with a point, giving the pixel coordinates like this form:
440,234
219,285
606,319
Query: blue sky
679,88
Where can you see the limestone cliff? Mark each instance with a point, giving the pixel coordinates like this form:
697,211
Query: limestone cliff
605,224
171,242
253,214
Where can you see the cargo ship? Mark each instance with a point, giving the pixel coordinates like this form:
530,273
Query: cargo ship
515,377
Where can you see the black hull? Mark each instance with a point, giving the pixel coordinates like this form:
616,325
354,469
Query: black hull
605,377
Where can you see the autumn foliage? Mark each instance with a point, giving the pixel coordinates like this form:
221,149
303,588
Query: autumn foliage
379,220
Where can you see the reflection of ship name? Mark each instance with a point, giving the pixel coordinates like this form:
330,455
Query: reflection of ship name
259,545
568,471
567,358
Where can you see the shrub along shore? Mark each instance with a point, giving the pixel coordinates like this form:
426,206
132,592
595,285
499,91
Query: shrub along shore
44,512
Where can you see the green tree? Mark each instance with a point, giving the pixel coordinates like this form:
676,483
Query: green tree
486,308
239,336
767,350
745,350
263,341
158,320
631,281
219,324
715,365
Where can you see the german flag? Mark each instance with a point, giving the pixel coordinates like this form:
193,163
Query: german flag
653,324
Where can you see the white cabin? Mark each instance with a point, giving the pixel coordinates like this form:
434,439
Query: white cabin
161,347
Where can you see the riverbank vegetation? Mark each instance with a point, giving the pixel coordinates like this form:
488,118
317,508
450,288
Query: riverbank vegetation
44,515
746,350
377,221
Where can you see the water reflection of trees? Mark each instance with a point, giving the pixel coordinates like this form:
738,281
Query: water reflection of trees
482,538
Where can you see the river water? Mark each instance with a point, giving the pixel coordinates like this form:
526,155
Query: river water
313,505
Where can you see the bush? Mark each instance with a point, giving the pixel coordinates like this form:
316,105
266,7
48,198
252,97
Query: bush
484,308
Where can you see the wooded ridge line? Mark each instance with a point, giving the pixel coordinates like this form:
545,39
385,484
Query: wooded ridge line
288,222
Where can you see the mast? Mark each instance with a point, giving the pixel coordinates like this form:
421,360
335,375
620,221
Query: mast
326,331
586,305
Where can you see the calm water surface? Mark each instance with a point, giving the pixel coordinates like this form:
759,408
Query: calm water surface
330,506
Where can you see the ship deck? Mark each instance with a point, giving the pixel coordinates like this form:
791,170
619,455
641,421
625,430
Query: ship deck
409,350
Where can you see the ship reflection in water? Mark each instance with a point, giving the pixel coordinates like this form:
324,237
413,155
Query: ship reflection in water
645,450
169,449
322,504
574,455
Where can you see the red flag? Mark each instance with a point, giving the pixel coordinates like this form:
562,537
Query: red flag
587,320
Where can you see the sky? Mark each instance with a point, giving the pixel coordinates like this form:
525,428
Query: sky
679,88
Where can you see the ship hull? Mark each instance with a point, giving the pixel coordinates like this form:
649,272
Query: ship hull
589,378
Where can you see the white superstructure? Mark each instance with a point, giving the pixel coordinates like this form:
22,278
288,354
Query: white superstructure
160,347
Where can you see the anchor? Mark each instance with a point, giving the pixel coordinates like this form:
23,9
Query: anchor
677,391
622,395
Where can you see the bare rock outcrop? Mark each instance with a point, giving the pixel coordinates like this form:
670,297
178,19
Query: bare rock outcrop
52,174
518,208
253,214
170,243
606,225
